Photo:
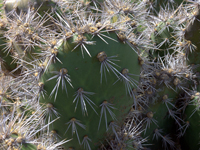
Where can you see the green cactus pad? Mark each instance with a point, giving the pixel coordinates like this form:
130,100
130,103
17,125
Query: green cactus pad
158,121
191,138
103,92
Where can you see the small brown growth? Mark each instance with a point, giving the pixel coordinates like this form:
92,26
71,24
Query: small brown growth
26,24
180,43
109,27
187,75
176,81
140,60
187,122
93,29
54,51
194,13
149,92
41,65
80,38
80,90
150,114
6,141
165,97
125,71
53,131
53,43
197,94
169,70
157,74
40,147
139,108
133,23
153,81
41,84
68,34
188,43
127,19
125,9
102,56
53,134
2,24
36,73
164,76
19,139
63,71
156,130
10,142
8,96
133,43
81,30
73,30
121,36
49,105
85,136
167,23
105,102
73,119
98,25
18,22
110,12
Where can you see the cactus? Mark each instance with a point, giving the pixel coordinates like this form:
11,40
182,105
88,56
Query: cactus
90,83
100,74
191,108
101,47
173,40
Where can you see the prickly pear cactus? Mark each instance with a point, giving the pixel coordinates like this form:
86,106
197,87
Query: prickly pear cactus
170,81
161,117
88,69
88,83
191,105
80,67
